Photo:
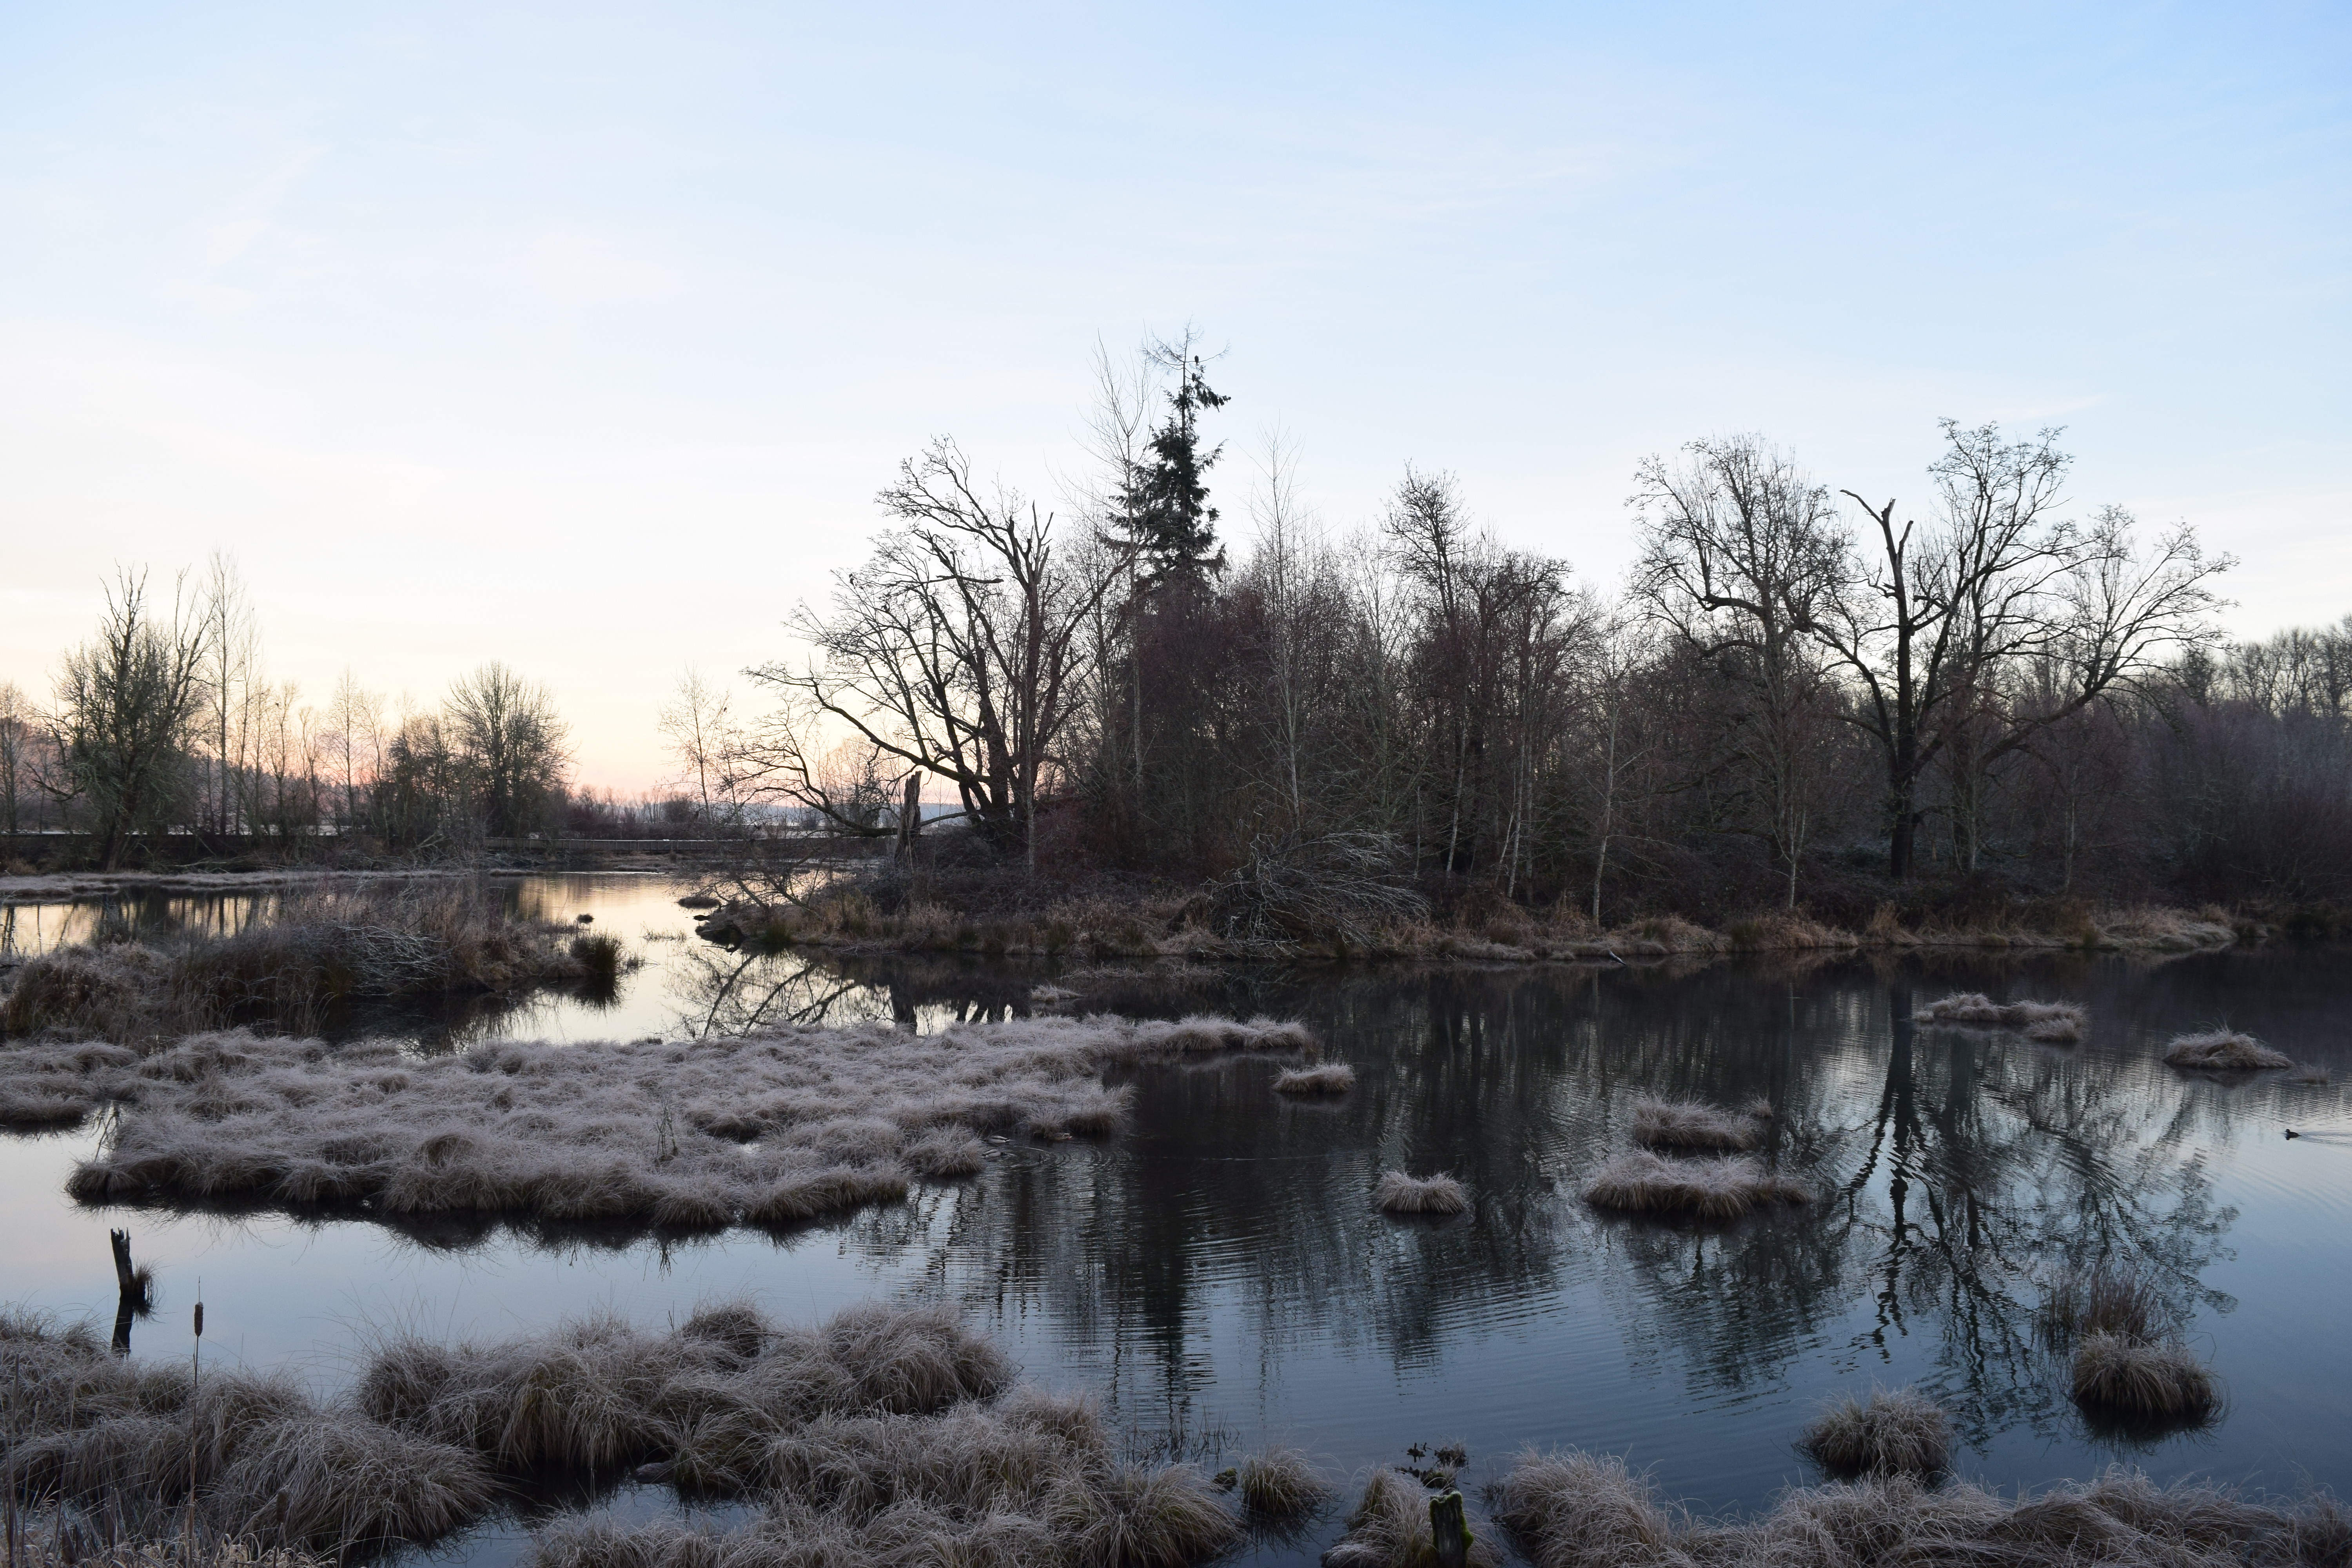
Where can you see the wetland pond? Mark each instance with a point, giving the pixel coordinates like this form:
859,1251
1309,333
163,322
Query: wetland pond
1218,1277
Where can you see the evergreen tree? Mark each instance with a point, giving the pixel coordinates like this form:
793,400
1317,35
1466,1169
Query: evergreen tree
1164,505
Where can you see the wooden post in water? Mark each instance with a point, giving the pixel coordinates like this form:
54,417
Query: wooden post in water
129,1297
1449,1533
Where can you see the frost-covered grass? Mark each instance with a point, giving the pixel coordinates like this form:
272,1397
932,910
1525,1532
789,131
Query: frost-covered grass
1388,1528
1331,1078
1401,1193
1642,1183
1572,1509
769,1128
2052,1023
887,1435
1688,1125
1900,1434
1281,1483
2224,1050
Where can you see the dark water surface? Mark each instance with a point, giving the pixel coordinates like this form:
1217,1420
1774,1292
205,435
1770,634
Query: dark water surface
1219,1276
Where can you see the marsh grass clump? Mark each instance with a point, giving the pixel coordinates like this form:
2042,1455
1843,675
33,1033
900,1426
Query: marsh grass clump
1281,1483
884,1435
2051,1023
1689,1124
2158,1382
1900,1434
1728,1189
129,1440
2129,1359
774,1128
1388,1528
1401,1193
598,956
2223,1050
1330,1077
2311,1072
1570,1510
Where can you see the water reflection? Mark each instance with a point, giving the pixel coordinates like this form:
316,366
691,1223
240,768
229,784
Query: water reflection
1219,1267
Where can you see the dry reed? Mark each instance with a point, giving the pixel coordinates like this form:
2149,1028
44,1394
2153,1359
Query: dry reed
2128,1359
2143,1380
1281,1483
1388,1528
1642,1183
1402,1194
884,1435
1688,1125
771,1128
1900,1434
1331,1078
1572,1509
2223,1050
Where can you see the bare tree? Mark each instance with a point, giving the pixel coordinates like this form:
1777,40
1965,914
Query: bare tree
354,731
956,649
233,651
1740,551
16,750
510,743
1932,629
699,729
127,704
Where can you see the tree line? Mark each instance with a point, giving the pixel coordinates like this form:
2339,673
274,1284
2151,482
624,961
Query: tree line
167,722
1799,696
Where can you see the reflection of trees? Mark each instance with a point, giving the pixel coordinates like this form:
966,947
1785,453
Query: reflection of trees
1959,1172
1987,1167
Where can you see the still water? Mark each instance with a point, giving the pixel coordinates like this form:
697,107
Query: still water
1218,1275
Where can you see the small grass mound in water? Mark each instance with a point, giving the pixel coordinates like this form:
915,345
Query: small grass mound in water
598,956
1900,1434
1642,1183
1401,1193
1281,1483
2053,1023
2311,1072
1688,1125
1331,1078
2223,1050
2143,1380
1388,1528
1569,1509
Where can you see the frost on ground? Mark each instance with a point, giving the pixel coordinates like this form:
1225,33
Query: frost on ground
769,1128
887,1435
1573,1509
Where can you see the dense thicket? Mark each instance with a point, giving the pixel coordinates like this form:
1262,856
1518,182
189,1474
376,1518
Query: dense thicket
1795,699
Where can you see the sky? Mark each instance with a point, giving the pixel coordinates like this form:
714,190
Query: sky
580,337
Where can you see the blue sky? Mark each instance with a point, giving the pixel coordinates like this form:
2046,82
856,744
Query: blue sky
582,336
